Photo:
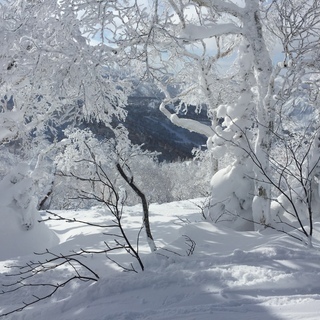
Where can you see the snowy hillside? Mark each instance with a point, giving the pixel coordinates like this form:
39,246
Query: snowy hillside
200,271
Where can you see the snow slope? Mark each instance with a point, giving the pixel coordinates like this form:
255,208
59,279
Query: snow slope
230,275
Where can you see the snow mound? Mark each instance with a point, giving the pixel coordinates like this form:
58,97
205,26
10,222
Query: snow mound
17,241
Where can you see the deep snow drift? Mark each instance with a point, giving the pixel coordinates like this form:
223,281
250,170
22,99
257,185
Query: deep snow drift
230,275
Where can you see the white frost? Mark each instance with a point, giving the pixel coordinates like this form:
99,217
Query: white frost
195,32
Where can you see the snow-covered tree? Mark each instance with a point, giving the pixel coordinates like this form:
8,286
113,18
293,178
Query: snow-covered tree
213,54
296,27
221,53
51,78
188,43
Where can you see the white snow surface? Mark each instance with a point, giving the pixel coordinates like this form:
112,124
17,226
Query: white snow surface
230,275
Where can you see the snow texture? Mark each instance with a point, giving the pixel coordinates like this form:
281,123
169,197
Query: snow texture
230,275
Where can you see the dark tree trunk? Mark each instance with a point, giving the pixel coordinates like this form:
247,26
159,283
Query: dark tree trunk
144,205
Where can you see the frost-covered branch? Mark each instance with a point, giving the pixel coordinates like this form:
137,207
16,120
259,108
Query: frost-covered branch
27,274
195,33
189,124
221,6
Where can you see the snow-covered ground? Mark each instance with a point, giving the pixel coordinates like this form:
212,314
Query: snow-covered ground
230,275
